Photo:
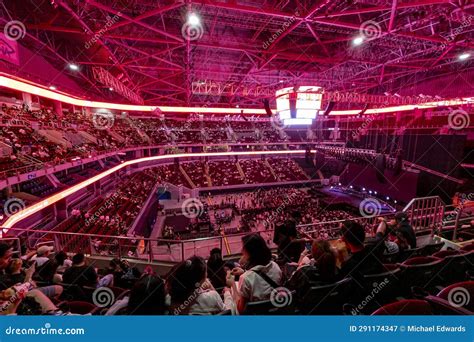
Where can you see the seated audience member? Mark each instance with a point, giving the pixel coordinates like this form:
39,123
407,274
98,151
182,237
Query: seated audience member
14,274
123,274
382,235
262,275
404,232
289,246
190,290
363,260
320,269
42,255
215,269
63,262
46,272
80,273
147,297
31,297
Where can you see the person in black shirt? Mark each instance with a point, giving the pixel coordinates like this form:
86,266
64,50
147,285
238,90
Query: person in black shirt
364,259
404,232
80,273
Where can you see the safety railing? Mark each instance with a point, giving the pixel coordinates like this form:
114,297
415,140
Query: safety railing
426,213
131,247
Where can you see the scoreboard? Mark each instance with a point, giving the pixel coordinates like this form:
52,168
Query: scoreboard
303,101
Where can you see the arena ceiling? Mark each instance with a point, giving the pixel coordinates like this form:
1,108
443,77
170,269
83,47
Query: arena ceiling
242,50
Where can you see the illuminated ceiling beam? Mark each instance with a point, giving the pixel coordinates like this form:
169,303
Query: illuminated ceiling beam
33,209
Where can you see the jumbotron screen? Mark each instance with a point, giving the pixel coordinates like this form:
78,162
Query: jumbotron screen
308,102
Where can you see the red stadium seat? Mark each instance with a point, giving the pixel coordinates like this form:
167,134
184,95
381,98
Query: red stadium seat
405,307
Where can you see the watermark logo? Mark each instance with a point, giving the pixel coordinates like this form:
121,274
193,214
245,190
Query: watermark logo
280,31
370,30
281,297
14,30
192,31
103,297
376,288
458,119
370,207
459,297
108,24
192,208
103,121
13,206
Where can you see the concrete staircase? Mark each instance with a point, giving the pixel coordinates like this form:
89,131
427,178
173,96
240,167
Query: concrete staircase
206,174
187,177
241,172
267,164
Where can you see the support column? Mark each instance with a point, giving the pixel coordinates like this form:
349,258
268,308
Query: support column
27,99
58,108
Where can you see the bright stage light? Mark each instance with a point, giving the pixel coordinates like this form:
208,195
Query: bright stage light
464,56
73,67
358,41
193,19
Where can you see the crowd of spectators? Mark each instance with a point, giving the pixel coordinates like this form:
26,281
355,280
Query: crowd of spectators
41,281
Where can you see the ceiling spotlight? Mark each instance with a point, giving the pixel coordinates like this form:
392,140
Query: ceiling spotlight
236,106
52,87
111,89
464,56
281,81
193,19
73,67
358,41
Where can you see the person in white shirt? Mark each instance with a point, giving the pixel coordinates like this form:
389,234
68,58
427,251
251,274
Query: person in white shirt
261,277
42,255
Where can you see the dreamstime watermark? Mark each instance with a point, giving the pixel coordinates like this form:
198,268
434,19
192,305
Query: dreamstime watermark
192,208
103,208
192,32
103,297
457,31
376,289
281,208
108,24
363,127
46,330
463,198
103,121
458,119
370,207
191,299
459,297
370,30
266,44
17,296
14,30
281,297
13,206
